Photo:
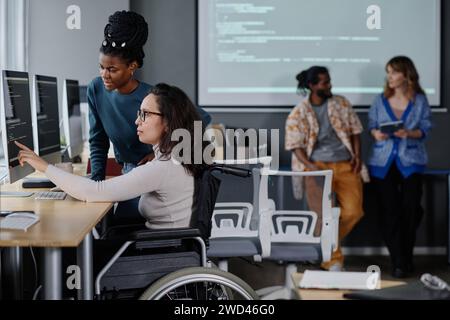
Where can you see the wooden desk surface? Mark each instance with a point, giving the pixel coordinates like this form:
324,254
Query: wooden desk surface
63,223
323,294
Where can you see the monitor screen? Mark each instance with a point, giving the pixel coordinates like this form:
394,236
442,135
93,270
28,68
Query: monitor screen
16,122
47,115
249,52
72,118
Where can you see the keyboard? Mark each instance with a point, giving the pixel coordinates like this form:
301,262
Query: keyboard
49,195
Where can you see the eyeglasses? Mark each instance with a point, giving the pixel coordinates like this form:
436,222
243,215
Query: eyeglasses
142,114
434,282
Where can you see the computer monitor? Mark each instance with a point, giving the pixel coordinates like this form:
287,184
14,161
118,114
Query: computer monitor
45,116
2,161
72,118
2,154
16,122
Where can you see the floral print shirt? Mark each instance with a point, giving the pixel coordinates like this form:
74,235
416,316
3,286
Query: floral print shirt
302,127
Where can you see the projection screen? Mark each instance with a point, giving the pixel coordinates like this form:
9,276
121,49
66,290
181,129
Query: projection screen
249,51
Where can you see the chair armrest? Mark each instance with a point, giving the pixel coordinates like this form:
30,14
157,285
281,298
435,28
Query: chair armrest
122,231
163,234
139,232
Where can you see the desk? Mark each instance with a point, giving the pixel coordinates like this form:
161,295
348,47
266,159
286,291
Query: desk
63,223
322,294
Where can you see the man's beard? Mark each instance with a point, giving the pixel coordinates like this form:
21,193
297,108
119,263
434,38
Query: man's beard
324,94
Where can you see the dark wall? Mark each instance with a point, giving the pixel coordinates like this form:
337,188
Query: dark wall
172,57
171,49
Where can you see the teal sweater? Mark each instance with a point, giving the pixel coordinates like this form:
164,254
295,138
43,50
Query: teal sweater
112,117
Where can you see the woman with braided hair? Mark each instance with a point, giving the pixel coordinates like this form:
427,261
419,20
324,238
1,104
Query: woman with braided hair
114,99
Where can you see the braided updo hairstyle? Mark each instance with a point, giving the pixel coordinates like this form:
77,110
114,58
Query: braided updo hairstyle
125,36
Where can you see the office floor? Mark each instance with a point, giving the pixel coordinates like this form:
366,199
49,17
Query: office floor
267,273
260,275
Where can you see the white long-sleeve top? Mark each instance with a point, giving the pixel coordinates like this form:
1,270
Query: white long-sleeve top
166,191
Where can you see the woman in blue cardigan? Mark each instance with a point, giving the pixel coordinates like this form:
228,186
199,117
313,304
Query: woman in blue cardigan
397,160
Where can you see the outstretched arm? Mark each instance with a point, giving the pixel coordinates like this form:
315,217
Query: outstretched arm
141,180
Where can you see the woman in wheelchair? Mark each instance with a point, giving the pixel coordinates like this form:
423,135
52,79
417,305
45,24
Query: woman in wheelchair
166,186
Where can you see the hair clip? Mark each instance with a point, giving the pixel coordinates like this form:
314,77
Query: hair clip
113,43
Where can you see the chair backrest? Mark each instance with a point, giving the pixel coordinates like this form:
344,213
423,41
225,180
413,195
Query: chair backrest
256,165
206,189
232,219
314,225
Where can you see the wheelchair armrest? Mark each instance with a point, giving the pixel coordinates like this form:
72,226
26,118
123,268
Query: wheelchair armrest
139,233
122,232
164,234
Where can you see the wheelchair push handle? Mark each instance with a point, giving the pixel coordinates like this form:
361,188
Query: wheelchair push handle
240,172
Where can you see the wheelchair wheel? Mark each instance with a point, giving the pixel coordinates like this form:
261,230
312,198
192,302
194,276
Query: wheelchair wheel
199,283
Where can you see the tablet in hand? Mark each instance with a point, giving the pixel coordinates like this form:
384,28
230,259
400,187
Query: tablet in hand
390,127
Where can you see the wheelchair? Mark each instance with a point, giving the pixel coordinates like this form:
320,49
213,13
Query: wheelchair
169,264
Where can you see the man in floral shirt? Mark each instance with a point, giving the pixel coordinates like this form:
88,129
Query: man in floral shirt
323,133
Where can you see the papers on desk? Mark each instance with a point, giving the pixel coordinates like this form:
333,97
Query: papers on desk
339,280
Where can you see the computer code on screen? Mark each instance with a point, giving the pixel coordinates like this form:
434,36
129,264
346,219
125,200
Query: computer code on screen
251,50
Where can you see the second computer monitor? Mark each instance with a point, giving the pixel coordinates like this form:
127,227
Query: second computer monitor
72,118
46,118
15,119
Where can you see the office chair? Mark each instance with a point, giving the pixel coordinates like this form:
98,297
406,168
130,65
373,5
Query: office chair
236,228
171,263
287,236
306,235
235,224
